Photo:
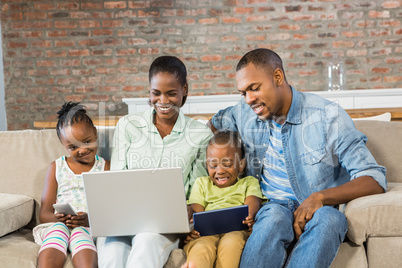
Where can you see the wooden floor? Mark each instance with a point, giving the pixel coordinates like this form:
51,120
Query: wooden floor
396,115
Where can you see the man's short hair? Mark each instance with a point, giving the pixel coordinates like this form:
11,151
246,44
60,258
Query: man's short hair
262,58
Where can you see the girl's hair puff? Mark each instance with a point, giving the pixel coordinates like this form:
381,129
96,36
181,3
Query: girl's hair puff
171,65
71,113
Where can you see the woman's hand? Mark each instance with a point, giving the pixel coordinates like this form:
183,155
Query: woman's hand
76,221
191,236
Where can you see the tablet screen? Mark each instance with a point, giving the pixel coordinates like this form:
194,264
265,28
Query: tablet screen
221,220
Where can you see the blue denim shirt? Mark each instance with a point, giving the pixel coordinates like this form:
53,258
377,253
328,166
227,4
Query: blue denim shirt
321,145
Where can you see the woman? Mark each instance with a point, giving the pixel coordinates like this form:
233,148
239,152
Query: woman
158,138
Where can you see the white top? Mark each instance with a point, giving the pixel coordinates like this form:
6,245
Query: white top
71,186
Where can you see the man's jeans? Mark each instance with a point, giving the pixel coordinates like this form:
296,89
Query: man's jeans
273,233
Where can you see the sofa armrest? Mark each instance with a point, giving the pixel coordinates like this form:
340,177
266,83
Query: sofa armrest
16,211
374,215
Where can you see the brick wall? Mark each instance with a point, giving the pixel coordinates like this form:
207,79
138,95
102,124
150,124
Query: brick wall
98,52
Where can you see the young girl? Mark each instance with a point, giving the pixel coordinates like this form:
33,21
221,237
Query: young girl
160,137
63,184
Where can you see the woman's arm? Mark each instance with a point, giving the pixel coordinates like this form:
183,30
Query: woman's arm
120,146
198,168
107,165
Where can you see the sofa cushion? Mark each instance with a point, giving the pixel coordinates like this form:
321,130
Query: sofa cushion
19,250
384,142
350,256
15,212
384,251
375,215
176,259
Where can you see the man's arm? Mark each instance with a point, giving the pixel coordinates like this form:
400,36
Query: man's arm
211,126
227,118
344,193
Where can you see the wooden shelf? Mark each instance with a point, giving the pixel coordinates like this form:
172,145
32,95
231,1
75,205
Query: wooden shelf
396,113
98,121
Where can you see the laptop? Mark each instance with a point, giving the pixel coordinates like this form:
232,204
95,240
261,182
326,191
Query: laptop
128,202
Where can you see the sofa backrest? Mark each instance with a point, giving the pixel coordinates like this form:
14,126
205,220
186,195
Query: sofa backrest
385,143
26,156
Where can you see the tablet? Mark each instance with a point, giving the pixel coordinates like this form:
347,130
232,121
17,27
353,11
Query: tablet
220,221
64,208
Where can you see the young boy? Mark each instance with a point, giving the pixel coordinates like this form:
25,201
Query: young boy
222,189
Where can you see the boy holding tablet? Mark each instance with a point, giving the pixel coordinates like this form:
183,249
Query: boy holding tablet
222,189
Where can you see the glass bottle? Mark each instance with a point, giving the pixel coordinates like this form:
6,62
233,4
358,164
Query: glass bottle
336,74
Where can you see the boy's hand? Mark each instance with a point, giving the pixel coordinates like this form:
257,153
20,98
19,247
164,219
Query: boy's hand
80,220
191,236
250,222
62,218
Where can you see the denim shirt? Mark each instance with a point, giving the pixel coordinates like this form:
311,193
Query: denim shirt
321,145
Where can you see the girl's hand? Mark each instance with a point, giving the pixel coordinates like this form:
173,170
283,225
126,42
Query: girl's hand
250,222
191,236
80,220
62,218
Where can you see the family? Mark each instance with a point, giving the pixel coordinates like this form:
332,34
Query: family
292,157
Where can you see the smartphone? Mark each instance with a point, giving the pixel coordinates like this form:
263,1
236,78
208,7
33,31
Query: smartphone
65,208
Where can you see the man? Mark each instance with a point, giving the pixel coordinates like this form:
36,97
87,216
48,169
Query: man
308,157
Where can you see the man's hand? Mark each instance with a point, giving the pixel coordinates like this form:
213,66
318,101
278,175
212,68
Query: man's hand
80,220
250,222
191,236
304,213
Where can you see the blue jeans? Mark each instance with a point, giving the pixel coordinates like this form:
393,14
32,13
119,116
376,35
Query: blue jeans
273,233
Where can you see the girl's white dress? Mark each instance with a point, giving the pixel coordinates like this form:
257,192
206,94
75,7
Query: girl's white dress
70,190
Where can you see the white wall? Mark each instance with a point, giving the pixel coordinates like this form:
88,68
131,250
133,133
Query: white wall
3,120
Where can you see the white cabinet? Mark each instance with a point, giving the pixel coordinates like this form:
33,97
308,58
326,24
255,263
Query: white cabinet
194,104
365,98
348,99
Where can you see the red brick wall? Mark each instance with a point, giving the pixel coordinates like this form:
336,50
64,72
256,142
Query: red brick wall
99,52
